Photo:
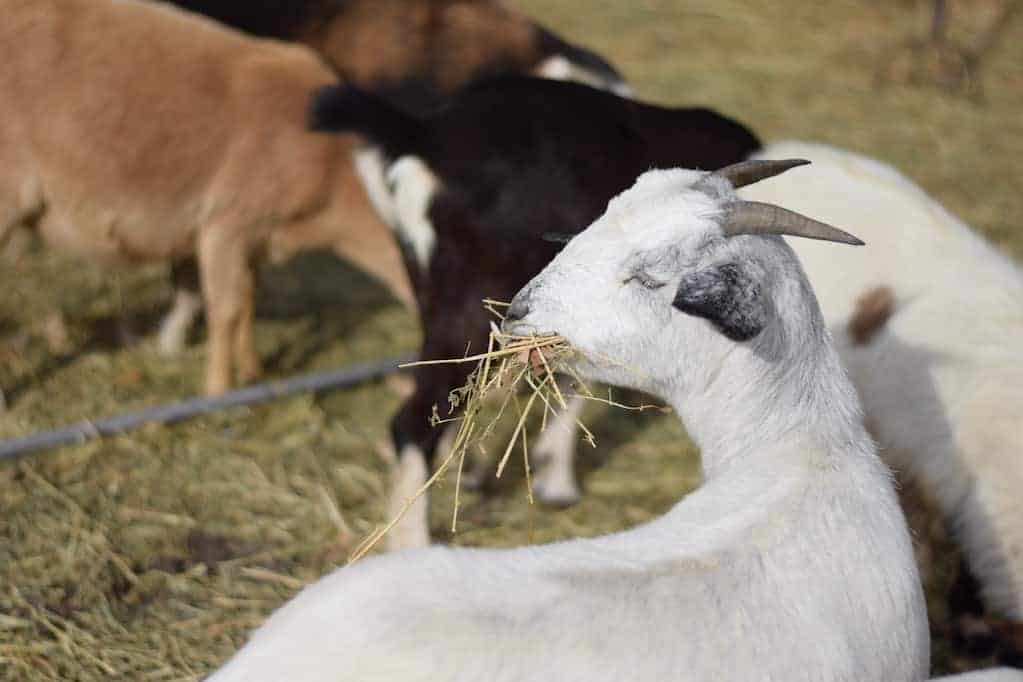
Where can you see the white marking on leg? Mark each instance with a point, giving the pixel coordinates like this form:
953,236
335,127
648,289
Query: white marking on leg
414,186
176,324
413,530
371,167
554,482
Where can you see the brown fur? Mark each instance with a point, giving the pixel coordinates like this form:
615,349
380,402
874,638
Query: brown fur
930,537
375,42
138,131
873,310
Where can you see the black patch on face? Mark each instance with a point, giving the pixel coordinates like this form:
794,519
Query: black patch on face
725,295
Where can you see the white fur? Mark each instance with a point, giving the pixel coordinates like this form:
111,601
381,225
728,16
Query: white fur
791,562
401,193
371,168
561,68
410,474
942,384
554,480
413,187
176,323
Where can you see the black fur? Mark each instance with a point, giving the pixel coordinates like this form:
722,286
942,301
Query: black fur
518,159
726,296
337,108
286,19
551,45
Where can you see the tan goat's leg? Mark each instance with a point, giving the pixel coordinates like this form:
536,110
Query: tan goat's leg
227,288
250,366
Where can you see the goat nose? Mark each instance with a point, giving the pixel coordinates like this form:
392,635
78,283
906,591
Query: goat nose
518,309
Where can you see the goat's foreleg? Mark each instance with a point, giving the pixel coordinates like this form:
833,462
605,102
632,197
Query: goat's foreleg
228,290
416,443
554,481
187,305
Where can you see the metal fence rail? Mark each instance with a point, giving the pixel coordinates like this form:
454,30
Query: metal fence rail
185,409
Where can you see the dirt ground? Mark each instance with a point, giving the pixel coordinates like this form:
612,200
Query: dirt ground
150,556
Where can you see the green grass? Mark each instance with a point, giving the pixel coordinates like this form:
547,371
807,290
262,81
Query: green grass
152,555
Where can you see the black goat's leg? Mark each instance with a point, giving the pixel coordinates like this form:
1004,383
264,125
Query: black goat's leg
415,442
187,305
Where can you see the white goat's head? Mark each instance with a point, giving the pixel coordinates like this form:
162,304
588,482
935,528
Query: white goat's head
676,275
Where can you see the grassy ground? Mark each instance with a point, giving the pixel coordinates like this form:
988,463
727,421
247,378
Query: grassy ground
150,556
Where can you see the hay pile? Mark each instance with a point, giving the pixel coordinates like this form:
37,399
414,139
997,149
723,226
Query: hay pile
152,555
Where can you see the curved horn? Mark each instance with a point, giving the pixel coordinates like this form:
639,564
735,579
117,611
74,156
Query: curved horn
747,172
753,217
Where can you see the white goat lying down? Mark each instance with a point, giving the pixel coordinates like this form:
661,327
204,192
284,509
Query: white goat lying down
942,381
791,562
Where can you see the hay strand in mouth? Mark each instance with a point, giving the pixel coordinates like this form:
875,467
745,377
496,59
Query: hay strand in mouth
504,366
509,362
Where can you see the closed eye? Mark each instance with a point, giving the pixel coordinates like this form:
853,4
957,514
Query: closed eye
645,280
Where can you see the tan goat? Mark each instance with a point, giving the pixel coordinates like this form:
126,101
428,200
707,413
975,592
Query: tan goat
139,131
416,53
134,130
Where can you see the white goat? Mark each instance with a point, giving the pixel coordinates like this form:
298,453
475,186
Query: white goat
942,381
791,562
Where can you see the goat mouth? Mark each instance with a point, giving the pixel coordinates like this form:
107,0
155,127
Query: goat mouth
540,353
540,361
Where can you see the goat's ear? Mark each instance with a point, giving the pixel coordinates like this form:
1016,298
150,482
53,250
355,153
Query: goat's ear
726,295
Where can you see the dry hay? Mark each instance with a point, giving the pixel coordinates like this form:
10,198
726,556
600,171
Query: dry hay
151,556
510,363
221,518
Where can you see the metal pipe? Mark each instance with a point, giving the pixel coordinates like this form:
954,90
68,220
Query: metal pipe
185,409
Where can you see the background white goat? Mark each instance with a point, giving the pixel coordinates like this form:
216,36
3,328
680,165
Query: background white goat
942,381
795,543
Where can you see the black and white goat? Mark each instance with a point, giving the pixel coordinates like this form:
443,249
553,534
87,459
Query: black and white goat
472,189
